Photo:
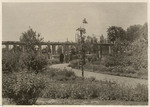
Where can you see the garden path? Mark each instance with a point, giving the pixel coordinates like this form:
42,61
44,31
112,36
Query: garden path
98,76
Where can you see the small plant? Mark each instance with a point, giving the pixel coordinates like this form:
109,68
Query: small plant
23,88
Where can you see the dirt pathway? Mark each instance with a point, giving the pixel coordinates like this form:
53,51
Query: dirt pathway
98,76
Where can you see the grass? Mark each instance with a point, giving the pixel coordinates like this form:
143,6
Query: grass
96,66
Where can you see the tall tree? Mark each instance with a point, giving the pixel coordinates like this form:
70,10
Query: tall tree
133,32
94,45
115,32
30,37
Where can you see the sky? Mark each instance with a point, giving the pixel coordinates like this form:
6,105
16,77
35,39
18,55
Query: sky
59,21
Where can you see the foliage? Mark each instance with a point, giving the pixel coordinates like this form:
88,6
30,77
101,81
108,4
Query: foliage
64,75
102,40
74,63
54,61
81,30
10,61
133,32
87,89
139,57
138,49
15,62
131,52
115,32
25,88
34,62
144,31
30,37
22,88
59,75
91,44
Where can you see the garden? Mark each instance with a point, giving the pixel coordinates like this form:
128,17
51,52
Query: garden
27,79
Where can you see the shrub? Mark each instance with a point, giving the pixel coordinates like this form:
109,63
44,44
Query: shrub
140,93
64,75
59,75
32,61
87,89
58,90
54,61
114,60
84,91
23,88
10,61
74,63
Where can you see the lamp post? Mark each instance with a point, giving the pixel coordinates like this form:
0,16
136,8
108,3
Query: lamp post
82,31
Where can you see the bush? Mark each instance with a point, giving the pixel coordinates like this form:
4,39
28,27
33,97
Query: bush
34,62
87,89
10,61
84,91
22,88
54,61
74,63
114,60
140,93
16,61
60,75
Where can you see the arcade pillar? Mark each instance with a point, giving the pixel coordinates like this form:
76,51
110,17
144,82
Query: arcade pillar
63,49
14,48
7,47
49,51
67,48
53,49
109,49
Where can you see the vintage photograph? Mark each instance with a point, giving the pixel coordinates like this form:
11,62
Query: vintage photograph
74,53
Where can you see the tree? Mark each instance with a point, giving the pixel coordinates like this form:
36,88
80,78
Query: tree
30,37
102,39
115,32
30,59
88,46
82,31
133,32
143,32
94,45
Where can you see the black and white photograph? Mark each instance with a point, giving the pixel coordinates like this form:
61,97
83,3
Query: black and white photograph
75,53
